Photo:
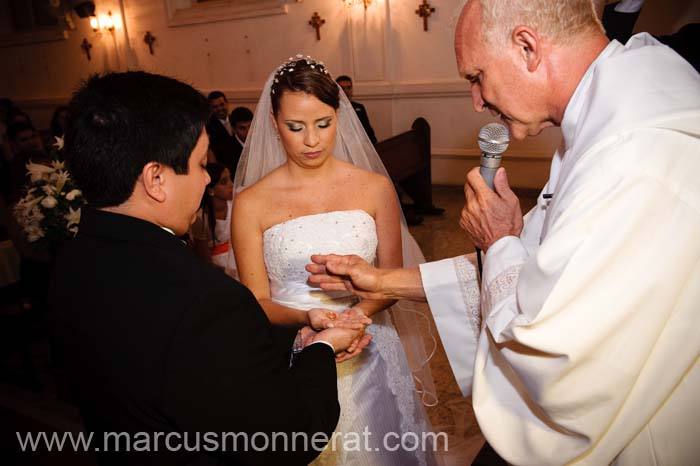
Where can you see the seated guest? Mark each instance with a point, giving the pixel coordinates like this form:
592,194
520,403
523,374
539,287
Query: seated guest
58,121
346,84
240,119
211,230
15,115
5,106
155,341
26,146
222,140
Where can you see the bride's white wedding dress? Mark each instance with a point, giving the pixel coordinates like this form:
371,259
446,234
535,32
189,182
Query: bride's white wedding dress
376,390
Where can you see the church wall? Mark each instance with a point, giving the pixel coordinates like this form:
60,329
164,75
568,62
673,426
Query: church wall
401,72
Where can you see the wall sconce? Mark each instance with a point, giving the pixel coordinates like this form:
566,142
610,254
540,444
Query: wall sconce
352,3
105,22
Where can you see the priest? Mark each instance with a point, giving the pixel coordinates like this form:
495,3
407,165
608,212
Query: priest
579,345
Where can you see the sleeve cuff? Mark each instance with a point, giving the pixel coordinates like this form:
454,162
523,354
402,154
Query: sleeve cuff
445,289
323,342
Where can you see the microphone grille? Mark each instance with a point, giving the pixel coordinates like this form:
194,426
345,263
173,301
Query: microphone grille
493,138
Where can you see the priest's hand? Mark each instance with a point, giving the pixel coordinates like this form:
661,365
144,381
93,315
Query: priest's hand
489,215
352,273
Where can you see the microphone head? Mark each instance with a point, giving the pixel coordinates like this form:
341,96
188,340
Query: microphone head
493,138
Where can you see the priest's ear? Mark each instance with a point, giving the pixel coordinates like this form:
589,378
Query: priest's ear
529,46
152,179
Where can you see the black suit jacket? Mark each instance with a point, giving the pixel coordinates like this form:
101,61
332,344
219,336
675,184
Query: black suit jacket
364,119
226,148
154,340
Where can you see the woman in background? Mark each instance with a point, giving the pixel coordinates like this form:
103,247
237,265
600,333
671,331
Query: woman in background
211,230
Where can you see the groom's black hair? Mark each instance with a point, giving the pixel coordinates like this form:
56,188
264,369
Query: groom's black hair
119,122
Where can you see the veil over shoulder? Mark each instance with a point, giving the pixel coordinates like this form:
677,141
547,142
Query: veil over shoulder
263,152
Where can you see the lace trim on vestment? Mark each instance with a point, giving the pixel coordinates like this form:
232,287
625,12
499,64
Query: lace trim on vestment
469,287
502,286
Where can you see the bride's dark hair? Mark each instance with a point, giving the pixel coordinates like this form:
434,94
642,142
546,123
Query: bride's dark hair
304,75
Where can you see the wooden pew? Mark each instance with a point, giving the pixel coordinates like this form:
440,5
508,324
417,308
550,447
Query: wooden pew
406,157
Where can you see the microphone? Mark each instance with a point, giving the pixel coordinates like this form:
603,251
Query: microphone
493,142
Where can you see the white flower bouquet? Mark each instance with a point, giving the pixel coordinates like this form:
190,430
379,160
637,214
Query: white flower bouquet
49,212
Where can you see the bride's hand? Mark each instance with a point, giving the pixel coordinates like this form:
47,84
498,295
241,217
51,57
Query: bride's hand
320,319
352,318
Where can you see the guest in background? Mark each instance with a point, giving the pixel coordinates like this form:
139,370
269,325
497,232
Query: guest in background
240,119
211,230
618,18
222,140
59,121
345,82
15,115
26,146
19,320
5,150
5,106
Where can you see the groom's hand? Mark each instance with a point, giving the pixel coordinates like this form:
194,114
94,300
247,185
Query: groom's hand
353,315
354,349
352,273
343,340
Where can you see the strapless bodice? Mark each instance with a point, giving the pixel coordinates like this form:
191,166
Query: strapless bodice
288,246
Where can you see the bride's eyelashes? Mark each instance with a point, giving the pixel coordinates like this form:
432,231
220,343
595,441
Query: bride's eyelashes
325,123
321,124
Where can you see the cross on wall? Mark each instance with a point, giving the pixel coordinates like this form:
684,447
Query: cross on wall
424,11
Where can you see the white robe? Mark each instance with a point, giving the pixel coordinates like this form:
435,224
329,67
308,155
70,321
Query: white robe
588,349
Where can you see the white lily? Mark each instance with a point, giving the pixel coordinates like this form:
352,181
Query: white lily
73,217
38,171
49,202
28,202
59,142
36,214
62,177
73,194
34,233
58,165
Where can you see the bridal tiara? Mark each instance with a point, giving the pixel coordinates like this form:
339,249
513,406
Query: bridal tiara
292,63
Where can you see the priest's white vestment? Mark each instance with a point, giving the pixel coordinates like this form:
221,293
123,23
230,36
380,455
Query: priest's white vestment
582,344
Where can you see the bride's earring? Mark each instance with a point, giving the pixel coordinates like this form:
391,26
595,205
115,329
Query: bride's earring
278,136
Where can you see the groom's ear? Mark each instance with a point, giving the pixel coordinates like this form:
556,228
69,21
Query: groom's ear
153,178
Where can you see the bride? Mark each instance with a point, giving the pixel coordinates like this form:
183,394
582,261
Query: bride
309,182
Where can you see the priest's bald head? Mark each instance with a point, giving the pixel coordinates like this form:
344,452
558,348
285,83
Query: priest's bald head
523,59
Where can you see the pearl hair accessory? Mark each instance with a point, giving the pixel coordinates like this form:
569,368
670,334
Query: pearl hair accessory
291,64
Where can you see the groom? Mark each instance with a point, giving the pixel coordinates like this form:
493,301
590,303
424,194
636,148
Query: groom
157,344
